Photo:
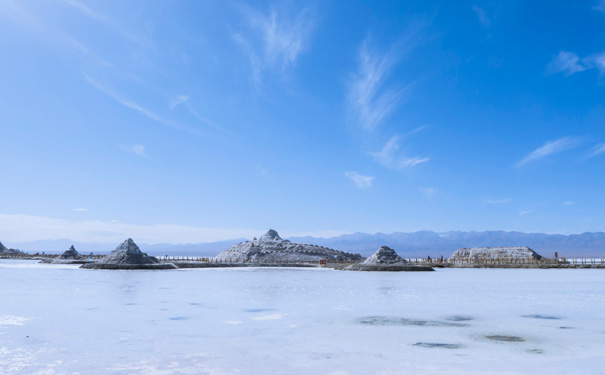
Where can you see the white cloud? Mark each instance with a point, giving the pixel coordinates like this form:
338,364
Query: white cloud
369,101
569,63
566,62
569,203
138,149
600,6
526,212
362,182
110,23
280,39
549,148
144,111
388,157
20,228
180,99
485,21
429,192
597,150
81,209
499,200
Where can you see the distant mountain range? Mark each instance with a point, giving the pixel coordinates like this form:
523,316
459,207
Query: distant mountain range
414,244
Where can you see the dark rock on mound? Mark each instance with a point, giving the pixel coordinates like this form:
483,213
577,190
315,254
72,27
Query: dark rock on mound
386,259
128,256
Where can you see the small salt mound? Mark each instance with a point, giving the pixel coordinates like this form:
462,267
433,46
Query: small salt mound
128,256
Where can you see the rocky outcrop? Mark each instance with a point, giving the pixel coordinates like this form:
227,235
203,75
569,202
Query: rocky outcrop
488,254
386,259
271,248
128,256
6,251
71,256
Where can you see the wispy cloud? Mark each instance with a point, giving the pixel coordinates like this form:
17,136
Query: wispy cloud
144,111
499,200
369,100
428,192
109,23
279,39
565,62
599,6
81,209
18,228
138,149
597,150
526,212
361,181
549,148
570,63
180,99
388,156
135,149
483,18
569,203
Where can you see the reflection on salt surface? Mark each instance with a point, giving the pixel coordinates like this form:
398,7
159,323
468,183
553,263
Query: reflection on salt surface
504,338
310,321
394,321
433,345
538,316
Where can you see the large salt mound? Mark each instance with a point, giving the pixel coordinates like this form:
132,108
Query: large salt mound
128,256
386,259
479,254
271,248
6,251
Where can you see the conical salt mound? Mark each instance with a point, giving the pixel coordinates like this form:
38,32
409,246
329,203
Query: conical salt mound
385,255
128,256
2,247
386,259
71,254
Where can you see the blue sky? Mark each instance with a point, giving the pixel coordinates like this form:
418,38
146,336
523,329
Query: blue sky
190,121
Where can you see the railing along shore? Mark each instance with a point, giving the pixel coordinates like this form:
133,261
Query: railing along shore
434,262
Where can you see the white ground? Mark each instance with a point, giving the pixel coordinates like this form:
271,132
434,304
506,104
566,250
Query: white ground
58,319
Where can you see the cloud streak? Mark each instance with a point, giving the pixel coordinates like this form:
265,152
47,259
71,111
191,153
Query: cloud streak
279,39
144,111
597,150
361,181
570,63
549,148
19,228
388,156
369,101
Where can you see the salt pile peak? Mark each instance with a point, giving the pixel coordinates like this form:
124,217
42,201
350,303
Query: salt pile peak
70,256
128,256
386,259
385,255
71,253
493,253
271,248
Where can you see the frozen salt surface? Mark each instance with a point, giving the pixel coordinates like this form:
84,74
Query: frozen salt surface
202,321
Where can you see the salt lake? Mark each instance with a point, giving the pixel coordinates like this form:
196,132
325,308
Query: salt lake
59,319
